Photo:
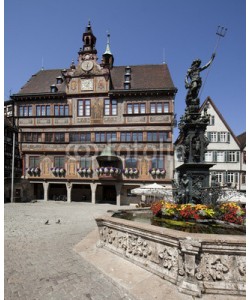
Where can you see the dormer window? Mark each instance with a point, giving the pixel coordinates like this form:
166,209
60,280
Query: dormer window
53,88
128,70
126,85
59,80
127,77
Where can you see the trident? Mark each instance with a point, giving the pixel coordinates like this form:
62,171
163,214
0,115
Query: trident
221,32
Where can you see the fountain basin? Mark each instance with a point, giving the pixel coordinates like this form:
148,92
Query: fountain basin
196,263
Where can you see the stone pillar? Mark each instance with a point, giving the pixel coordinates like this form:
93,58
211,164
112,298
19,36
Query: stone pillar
118,188
45,190
190,249
93,192
69,188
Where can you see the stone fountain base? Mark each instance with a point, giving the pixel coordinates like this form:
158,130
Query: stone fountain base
196,263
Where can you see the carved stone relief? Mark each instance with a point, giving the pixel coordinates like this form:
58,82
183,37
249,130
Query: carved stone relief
183,263
61,121
136,119
159,119
83,120
43,121
25,121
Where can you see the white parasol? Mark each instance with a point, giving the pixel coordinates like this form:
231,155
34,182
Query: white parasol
154,189
233,196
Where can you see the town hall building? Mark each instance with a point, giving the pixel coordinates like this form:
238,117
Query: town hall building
94,131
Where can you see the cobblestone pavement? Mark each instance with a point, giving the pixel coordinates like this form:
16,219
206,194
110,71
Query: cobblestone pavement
39,259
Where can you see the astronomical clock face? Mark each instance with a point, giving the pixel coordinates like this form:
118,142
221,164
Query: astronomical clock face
87,84
87,65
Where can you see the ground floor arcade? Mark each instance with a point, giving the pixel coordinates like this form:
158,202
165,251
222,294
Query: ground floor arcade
98,192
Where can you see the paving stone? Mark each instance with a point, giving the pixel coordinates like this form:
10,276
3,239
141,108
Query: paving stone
39,259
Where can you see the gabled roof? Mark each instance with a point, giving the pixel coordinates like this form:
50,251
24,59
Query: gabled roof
242,140
143,77
208,99
41,82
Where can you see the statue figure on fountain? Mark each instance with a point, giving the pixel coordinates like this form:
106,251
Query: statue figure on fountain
193,80
193,175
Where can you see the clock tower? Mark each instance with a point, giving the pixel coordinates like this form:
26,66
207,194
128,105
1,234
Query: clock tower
89,41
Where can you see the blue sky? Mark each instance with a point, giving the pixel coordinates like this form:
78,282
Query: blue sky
142,32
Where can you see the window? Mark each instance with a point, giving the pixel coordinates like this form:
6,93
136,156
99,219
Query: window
59,80
232,156
48,137
131,136
57,137
125,136
159,107
220,156
53,88
136,108
230,177
25,111
243,178
212,136
43,110
85,162
222,137
111,136
59,161
137,136
157,162
79,137
34,161
32,137
209,156
131,162
244,157
126,85
83,108
61,110
219,177
211,121
101,137
156,136
110,107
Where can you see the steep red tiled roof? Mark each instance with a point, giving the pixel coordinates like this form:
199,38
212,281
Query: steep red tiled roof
41,82
242,140
143,77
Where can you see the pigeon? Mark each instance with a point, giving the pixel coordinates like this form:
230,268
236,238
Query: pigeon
47,222
58,222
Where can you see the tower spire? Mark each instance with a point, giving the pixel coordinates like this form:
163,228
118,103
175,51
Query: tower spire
108,51
89,41
107,57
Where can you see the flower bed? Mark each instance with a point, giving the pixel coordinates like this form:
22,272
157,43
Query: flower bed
227,212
